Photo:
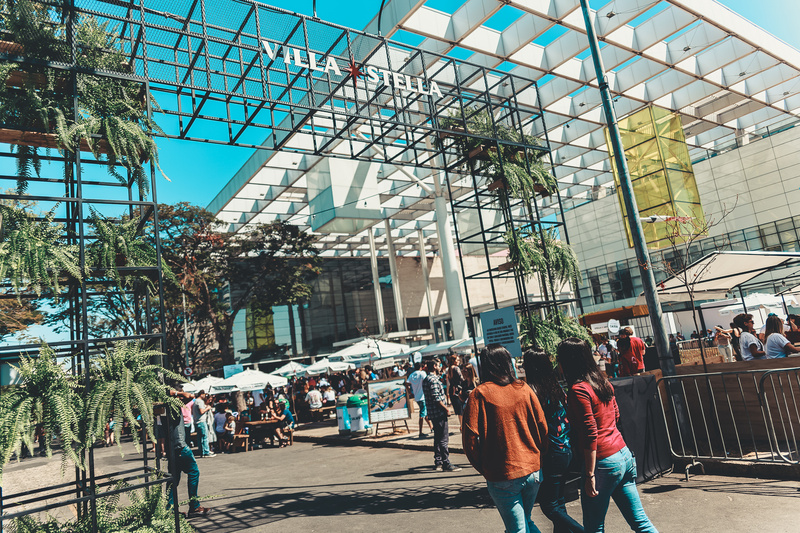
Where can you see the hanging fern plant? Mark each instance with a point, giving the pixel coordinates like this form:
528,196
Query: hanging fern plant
33,254
523,179
46,396
112,113
119,244
543,253
549,332
124,382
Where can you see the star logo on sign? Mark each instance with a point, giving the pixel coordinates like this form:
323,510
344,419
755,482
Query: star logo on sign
355,71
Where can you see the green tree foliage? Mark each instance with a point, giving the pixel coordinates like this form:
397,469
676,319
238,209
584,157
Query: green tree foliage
17,316
222,273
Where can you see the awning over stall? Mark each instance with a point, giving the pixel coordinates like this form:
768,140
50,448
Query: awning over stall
716,275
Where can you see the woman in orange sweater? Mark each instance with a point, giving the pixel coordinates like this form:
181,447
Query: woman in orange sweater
505,434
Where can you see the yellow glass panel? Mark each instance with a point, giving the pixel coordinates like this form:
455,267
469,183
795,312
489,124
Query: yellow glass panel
661,173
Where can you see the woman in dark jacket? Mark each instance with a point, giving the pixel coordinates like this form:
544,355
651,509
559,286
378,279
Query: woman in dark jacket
543,379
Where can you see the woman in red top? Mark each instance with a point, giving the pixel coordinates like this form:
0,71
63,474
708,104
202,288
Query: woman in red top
610,471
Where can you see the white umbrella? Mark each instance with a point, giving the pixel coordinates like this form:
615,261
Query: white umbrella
249,380
202,384
340,367
289,368
371,348
320,367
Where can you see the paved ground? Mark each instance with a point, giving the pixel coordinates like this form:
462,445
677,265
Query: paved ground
318,487
329,487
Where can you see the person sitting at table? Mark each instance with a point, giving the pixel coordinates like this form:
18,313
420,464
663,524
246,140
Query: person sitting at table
776,344
749,345
328,397
285,420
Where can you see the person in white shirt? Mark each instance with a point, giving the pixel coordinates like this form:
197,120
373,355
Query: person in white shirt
328,396
749,345
415,379
314,399
777,345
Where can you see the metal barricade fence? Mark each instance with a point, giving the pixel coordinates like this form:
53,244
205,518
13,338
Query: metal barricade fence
779,393
719,415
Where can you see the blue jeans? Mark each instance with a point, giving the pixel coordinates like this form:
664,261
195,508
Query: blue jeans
551,493
514,500
186,463
202,434
615,477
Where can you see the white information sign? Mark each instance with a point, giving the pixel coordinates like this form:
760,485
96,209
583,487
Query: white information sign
500,327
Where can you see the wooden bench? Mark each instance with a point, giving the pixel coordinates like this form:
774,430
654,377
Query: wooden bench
321,412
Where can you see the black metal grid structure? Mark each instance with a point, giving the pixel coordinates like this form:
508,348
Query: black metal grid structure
75,183
487,197
240,73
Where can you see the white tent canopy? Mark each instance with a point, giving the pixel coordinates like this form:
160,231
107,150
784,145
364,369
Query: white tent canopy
324,366
202,384
370,348
292,367
719,273
248,380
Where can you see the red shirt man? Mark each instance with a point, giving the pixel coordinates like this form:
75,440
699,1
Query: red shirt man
631,356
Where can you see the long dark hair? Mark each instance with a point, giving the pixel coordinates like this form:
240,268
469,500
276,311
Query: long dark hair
577,363
774,325
496,365
542,378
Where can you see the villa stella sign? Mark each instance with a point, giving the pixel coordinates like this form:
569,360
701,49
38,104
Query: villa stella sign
328,65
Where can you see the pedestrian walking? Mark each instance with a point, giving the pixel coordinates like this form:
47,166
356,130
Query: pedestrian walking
543,379
504,435
609,468
183,460
435,402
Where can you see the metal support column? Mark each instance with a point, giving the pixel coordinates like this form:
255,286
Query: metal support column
376,283
452,284
423,260
665,360
398,303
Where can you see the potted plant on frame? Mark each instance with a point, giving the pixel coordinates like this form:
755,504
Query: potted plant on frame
120,244
33,252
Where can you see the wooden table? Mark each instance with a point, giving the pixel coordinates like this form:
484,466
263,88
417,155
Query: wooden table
261,429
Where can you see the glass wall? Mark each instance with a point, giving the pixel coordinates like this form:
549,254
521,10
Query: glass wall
342,306
661,174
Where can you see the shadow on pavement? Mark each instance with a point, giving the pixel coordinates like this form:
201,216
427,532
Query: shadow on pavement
270,508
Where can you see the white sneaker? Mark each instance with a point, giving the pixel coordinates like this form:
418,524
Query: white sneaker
212,454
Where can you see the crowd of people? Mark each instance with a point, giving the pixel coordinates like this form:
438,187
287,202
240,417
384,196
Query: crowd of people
521,435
